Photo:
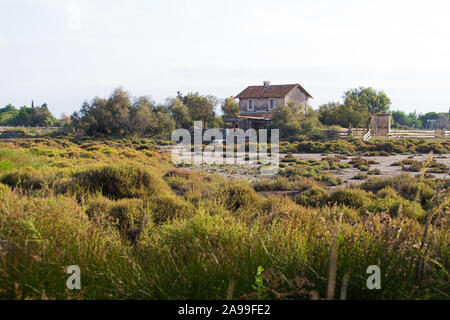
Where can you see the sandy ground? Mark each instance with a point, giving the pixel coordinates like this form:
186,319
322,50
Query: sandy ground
384,165
252,172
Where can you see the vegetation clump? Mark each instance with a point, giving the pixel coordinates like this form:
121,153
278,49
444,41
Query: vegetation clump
134,223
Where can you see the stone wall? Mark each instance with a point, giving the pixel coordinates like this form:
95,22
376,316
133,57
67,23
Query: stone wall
260,105
298,97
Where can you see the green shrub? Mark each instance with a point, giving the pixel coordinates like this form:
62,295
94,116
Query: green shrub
374,172
400,183
331,180
4,190
437,167
358,161
166,207
360,176
314,197
97,206
278,184
397,206
354,198
119,181
25,178
363,167
236,195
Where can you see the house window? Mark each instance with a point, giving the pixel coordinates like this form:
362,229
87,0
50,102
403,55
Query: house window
251,104
271,104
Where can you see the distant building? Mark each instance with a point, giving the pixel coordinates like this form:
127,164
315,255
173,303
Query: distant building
444,121
256,103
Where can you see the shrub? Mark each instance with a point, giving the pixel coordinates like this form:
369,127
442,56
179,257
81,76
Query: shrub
4,190
133,217
374,172
331,180
400,183
119,181
354,198
431,146
412,166
363,167
421,192
387,192
437,167
166,207
49,234
25,178
360,176
236,195
358,161
279,184
397,206
314,197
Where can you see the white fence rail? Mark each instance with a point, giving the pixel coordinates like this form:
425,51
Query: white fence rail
367,136
424,134
29,128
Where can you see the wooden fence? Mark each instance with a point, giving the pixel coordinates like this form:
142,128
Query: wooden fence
423,134
30,129
392,134
19,131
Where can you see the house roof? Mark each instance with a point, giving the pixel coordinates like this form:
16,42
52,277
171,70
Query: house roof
272,91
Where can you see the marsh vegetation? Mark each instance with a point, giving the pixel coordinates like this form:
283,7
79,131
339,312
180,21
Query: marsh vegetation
139,227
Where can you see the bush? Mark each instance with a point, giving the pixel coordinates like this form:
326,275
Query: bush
358,161
314,197
166,207
363,167
25,178
360,176
397,206
354,198
400,183
4,190
374,172
437,167
331,180
279,184
119,181
236,195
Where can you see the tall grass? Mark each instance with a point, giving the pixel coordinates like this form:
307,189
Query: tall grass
138,228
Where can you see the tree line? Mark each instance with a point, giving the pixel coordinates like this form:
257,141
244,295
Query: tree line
38,116
360,104
122,114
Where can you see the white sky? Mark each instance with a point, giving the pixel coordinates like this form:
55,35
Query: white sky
219,47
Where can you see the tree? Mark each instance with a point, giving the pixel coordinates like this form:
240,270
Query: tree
401,119
365,101
8,114
294,125
230,107
328,114
200,107
121,114
26,116
180,113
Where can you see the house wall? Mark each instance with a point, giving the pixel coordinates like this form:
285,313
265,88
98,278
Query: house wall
261,105
298,97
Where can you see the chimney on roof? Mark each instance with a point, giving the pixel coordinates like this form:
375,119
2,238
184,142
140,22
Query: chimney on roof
266,84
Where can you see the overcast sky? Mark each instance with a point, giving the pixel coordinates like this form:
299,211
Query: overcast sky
156,48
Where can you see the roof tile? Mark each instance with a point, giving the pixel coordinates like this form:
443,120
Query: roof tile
272,91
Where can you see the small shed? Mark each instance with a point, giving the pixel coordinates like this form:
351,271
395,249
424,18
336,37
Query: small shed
381,124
